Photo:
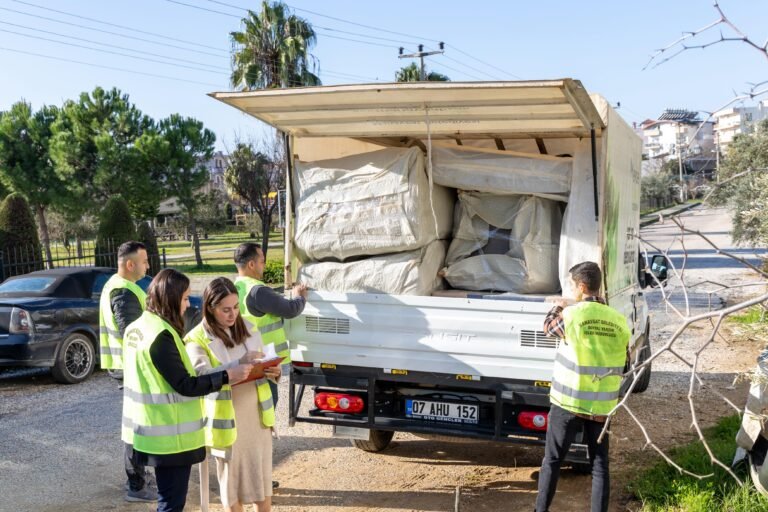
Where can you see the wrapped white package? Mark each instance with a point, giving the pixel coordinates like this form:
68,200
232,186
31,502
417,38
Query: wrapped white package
406,273
505,243
502,172
368,204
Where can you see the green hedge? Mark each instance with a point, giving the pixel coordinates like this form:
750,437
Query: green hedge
273,272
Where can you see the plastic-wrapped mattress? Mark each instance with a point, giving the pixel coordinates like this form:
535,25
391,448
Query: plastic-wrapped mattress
407,273
368,204
505,243
502,172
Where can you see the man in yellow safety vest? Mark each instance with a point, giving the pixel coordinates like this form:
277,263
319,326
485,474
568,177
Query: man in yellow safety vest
585,383
122,301
263,307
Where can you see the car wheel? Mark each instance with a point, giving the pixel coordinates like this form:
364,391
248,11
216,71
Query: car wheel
76,360
379,439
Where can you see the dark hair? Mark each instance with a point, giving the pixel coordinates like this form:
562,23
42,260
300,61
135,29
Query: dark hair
164,297
245,252
216,291
588,273
128,248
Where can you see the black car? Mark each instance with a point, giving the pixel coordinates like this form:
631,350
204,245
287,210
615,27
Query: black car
50,318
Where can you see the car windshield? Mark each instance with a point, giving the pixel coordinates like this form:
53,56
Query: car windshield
27,284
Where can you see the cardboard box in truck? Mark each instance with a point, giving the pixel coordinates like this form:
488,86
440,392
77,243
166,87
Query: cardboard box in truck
462,363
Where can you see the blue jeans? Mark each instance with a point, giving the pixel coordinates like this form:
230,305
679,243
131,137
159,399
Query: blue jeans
561,431
172,485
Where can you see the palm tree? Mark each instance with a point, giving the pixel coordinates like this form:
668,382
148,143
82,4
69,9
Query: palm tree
272,50
413,74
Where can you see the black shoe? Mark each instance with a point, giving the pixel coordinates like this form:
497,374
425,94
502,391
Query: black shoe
146,495
275,484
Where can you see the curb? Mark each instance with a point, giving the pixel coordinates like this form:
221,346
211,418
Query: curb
654,217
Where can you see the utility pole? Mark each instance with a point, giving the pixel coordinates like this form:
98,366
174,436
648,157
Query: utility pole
680,161
420,55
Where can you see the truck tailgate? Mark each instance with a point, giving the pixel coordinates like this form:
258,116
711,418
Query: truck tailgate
478,337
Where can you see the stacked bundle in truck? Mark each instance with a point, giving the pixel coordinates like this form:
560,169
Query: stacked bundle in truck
371,223
505,243
405,273
502,172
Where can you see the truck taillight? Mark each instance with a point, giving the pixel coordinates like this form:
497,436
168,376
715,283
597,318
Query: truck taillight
302,364
339,402
533,420
21,321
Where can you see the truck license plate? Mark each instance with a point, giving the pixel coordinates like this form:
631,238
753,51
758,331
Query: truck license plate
441,411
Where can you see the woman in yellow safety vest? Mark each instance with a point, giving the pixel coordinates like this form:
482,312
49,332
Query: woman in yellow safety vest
240,418
163,416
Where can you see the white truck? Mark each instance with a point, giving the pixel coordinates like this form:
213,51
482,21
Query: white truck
473,365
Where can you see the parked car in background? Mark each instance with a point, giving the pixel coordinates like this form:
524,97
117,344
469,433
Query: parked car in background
50,318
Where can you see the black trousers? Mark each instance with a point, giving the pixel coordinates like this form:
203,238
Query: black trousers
172,486
135,472
561,432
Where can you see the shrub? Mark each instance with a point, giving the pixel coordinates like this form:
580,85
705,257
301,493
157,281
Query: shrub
146,235
115,227
19,242
273,272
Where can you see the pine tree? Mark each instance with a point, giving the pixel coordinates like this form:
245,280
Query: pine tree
115,227
19,242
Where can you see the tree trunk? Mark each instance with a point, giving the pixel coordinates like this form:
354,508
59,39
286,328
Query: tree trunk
44,237
266,225
79,245
196,242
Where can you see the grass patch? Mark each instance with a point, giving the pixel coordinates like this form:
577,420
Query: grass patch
753,315
662,488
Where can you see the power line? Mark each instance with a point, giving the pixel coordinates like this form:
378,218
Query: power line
110,32
62,59
472,68
204,9
116,25
108,51
111,45
475,77
485,63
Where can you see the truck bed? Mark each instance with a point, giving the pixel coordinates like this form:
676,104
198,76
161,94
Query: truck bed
499,337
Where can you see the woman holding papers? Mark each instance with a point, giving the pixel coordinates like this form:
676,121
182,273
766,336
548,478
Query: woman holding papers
163,417
240,418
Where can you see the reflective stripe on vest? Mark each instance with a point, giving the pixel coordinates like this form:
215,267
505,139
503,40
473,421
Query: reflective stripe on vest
156,419
270,326
588,366
110,341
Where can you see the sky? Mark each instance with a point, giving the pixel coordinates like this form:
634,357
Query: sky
185,49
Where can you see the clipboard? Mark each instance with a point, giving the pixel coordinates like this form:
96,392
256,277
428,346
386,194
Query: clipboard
259,367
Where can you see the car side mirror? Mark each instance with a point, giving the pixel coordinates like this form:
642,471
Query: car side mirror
659,269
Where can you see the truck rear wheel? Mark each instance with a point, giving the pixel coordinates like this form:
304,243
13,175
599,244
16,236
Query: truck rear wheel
377,441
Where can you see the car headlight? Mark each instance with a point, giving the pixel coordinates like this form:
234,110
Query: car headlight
21,322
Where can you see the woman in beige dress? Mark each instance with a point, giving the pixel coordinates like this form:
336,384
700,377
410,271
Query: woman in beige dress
222,340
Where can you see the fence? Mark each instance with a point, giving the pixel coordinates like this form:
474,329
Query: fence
16,260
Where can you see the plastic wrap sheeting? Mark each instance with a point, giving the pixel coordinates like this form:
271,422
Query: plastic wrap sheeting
368,204
505,242
502,172
408,273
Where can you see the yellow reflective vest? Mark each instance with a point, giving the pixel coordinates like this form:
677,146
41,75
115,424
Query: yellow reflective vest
157,419
270,326
220,431
110,340
590,361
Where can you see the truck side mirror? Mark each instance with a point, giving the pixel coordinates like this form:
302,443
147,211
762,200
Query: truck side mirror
659,269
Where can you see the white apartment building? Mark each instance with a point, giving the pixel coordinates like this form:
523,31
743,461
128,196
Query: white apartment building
216,166
677,128
733,121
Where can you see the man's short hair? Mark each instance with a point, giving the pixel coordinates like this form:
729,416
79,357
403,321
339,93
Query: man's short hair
245,253
588,273
128,249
